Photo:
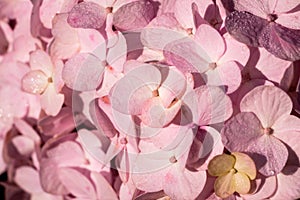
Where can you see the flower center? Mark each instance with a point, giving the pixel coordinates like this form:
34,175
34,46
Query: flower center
173,159
272,17
268,131
109,9
212,65
155,93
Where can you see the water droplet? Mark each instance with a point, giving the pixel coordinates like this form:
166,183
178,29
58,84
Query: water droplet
35,82
272,172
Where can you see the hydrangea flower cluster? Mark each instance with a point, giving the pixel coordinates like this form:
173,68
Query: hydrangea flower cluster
150,99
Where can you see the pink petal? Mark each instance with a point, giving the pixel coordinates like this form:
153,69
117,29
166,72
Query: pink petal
76,183
62,123
187,55
83,72
134,15
289,20
50,181
102,121
186,185
184,14
40,60
215,47
258,8
208,105
269,103
52,101
103,188
35,82
288,186
226,74
28,179
87,15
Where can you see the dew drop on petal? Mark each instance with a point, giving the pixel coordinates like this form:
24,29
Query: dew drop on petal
35,82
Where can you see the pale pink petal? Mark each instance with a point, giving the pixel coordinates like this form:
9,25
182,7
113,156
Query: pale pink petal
123,96
206,145
226,74
173,85
117,54
183,13
269,103
183,185
154,114
83,72
265,188
264,68
52,101
40,60
92,143
288,186
144,181
28,179
67,153
215,47
235,51
24,145
103,188
57,75
289,20
208,104
90,40
76,183
49,8
283,6
161,31
87,15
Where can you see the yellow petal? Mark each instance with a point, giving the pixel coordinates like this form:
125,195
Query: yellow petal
244,164
224,185
241,183
221,165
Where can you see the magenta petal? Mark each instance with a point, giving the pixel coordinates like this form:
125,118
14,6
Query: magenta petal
134,15
282,42
258,8
3,42
244,133
87,15
83,72
245,27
